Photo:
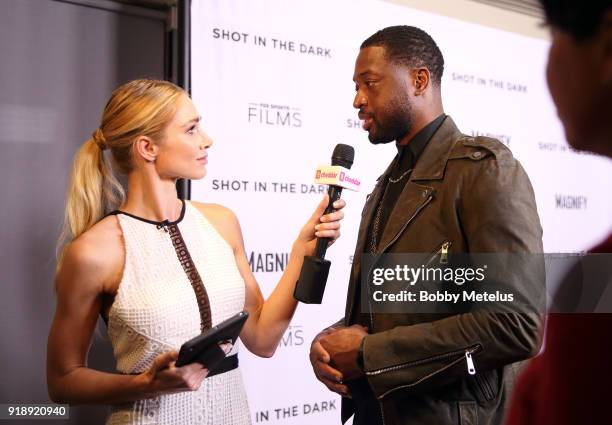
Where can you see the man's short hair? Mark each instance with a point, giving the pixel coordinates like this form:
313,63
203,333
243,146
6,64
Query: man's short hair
409,46
580,19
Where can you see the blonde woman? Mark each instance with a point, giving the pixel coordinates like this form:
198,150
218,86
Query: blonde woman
159,270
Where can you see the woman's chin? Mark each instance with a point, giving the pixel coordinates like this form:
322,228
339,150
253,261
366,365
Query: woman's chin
194,175
199,175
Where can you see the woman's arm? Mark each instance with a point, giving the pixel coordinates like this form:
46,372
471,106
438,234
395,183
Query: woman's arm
269,319
86,270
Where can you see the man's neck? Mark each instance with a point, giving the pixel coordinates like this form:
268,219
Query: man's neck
420,122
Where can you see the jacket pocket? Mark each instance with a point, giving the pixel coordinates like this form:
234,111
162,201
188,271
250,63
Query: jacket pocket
446,360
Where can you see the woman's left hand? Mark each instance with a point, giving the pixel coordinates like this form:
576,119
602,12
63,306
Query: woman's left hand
321,226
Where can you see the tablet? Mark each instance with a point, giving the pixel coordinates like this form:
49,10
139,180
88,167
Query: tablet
205,349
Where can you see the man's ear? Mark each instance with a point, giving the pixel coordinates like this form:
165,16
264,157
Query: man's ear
146,149
421,79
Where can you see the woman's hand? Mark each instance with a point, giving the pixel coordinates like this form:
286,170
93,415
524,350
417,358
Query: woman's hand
320,226
163,377
269,318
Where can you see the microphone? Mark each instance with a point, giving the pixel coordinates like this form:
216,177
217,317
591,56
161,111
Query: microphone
315,269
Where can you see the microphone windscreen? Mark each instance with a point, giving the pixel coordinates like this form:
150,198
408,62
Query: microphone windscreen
343,155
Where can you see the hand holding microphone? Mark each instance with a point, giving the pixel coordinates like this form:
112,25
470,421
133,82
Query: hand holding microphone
315,269
320,225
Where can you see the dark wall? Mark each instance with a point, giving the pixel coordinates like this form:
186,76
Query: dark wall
59,62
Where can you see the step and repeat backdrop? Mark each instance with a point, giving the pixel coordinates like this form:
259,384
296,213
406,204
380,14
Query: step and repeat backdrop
272,80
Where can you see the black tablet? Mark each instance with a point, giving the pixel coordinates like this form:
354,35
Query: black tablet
205,349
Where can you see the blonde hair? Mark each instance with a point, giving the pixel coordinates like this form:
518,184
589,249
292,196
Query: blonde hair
138,108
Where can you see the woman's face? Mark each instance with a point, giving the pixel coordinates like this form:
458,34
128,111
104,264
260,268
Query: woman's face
183,152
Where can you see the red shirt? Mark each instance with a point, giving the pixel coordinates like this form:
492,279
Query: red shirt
569,382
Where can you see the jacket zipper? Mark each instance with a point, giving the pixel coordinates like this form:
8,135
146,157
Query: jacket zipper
469,350
423,205
470,363
392,241
465,352
427,201
442,251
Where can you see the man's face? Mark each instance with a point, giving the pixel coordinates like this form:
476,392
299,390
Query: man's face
576,79
382,96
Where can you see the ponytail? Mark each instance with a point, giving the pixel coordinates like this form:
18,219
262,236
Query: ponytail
137,108
93,191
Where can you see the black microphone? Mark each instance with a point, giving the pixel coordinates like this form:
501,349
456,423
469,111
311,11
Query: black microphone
315,269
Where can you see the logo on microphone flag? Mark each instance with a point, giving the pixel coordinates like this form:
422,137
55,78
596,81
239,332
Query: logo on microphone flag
336,175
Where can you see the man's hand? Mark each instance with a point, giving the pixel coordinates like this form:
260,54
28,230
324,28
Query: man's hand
342,346
319,358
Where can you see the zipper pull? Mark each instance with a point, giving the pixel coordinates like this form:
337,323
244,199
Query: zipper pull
470,363
444,253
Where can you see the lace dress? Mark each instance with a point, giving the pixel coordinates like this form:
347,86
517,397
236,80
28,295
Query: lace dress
179,278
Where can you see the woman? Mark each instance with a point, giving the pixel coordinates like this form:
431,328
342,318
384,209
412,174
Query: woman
159,270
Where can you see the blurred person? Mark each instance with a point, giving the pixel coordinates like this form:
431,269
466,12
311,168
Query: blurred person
159,270
566,383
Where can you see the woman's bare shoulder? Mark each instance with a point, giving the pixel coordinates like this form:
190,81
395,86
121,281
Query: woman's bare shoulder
96,256
224,220
215,211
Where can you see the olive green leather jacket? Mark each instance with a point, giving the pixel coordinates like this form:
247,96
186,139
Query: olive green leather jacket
468,194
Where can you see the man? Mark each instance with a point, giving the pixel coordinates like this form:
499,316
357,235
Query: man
561,386
444,192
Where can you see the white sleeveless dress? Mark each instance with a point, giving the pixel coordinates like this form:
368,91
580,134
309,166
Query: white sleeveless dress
156,310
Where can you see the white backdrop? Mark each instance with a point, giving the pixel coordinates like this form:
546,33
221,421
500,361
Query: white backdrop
272,80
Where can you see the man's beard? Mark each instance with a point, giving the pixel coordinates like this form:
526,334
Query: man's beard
397,122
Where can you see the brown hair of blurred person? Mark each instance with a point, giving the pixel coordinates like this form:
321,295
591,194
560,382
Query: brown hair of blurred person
579,71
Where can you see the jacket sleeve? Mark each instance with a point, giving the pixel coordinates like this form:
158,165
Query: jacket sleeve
498,214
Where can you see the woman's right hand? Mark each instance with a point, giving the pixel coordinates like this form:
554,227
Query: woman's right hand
163,377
